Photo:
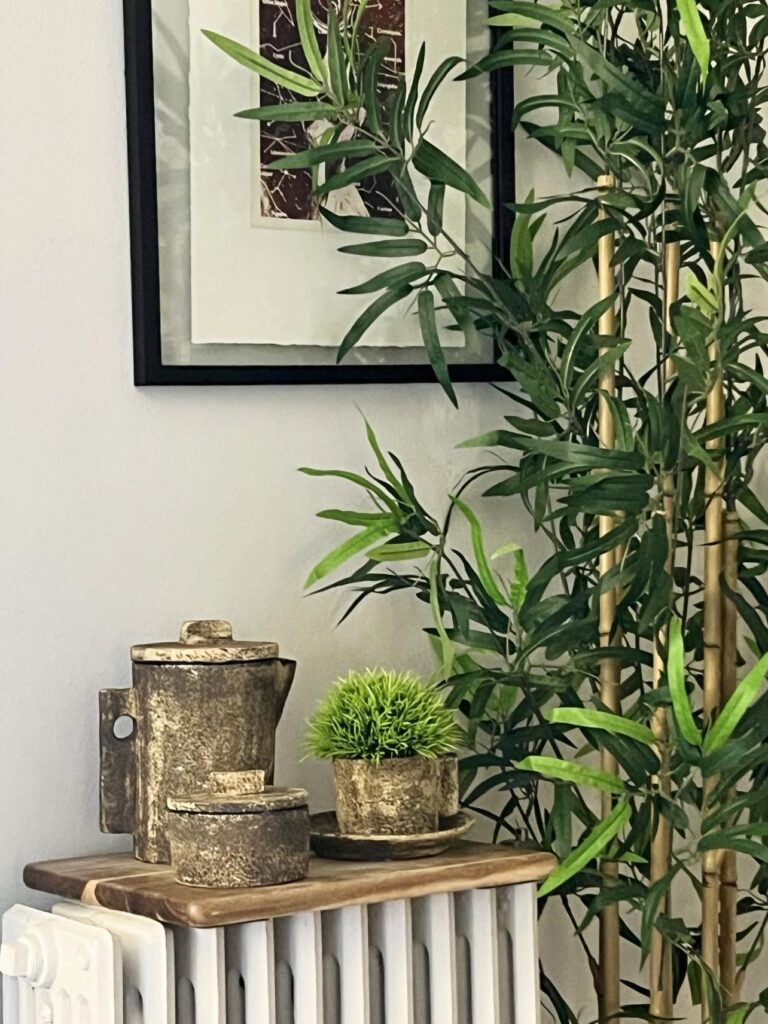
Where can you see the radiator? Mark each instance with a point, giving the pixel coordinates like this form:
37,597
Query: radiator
468,958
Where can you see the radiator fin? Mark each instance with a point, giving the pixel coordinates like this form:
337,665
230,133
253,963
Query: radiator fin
469,958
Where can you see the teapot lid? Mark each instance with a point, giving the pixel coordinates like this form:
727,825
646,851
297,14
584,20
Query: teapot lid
238,793
205,641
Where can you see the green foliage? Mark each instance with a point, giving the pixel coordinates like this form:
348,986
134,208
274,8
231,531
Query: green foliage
670,100
378,714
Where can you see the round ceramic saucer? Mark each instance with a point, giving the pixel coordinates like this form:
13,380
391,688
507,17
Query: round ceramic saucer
327,841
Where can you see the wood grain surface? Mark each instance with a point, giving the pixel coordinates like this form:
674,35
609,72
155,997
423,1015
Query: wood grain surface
118,882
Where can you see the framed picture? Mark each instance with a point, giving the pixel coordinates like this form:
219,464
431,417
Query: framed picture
236,277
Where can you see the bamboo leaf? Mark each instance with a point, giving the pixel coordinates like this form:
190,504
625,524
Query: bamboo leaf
335,53
445,671
740,702
350,547
432,345
261,66
292,112
308,37
435,205
483,568
324,154
366,319
381,459
568,771
434,83
404,247
411,550
651,904
589,849
676,677
390,226
606,721
359,171
693,27
354,478
437,166
404,274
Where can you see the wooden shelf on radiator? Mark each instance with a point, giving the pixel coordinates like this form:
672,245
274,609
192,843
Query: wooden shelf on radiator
118,882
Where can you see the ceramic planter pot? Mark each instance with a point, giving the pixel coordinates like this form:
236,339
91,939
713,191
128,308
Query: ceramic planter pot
238,833
397,797
448,786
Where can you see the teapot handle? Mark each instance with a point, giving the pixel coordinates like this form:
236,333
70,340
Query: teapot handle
118,767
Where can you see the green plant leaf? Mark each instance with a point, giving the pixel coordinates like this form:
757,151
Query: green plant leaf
676,677
366,319
693,27
589,849
390,226
740,702
432,346
324,154
335,55
435,81
292,112
437,166
568,771
654,898
445,671
389,250
401,551
435,205
308,37
354,478
483,568
261,66
358,171
617,725
351,547
404,274
371,69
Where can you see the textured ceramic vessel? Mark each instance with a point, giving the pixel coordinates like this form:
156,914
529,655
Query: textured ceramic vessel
207,703
239,834
396,797
447,786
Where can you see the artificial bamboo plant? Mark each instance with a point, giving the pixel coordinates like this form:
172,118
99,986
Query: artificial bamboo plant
622,666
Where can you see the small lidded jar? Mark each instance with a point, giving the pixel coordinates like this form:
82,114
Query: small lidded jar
239,833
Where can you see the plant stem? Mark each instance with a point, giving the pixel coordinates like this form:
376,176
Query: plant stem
713,633
660,982
728,871
609,995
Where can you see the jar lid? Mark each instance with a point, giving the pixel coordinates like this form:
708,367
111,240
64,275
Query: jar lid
205,642
239,793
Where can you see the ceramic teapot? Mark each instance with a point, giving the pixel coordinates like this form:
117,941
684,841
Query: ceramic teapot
207,703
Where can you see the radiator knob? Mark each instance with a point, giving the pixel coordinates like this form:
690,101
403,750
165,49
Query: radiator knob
19,959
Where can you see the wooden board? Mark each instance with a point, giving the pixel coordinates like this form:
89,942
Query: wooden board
118,882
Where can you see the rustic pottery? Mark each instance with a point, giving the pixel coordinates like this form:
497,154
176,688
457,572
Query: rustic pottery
239,833
207,703
328,840
447,786
397,797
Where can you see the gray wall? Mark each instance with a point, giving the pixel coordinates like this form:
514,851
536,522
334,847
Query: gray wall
125,511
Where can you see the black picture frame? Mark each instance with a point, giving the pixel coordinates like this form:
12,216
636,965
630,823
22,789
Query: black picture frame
149,368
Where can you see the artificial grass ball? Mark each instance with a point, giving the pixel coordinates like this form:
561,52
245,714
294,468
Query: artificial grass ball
380,714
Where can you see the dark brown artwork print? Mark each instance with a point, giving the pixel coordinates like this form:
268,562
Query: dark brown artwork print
287,195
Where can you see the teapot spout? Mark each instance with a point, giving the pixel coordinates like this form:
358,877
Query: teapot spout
286,670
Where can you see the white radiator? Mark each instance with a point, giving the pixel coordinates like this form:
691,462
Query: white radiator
469,958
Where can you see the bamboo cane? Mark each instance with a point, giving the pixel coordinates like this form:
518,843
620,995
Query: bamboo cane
728,871
660,982
713,635
610,966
